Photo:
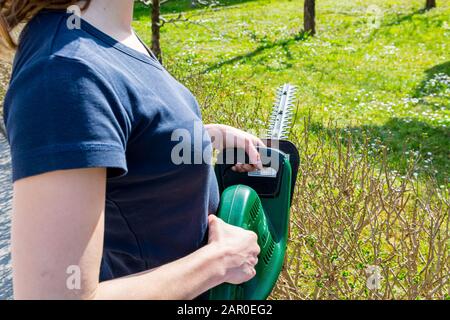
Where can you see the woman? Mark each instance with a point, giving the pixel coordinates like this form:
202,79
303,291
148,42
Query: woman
101,210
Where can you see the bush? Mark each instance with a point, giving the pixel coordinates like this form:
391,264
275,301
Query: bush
357,222
354,216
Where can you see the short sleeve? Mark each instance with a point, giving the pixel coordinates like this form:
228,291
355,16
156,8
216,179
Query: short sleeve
61,114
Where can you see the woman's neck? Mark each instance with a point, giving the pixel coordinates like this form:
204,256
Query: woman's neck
113,17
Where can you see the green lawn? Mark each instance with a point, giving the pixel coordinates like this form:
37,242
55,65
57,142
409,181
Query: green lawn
379,66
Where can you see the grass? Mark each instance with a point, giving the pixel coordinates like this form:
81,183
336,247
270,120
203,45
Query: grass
372,127
390,73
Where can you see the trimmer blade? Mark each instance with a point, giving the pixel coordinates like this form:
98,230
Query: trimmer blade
280,121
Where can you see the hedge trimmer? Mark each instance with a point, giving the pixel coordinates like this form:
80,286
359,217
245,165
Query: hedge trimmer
260,200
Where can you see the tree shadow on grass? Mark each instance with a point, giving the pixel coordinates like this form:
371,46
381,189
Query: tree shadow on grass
179,6
404,18
423,89
284,43
401,137
399,19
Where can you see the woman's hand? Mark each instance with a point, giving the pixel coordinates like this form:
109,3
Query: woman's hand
224,136
239,250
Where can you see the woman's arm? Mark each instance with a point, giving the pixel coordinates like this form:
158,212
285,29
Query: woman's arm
224,136
58,229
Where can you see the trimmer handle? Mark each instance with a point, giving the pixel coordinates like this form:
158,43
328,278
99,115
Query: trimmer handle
265,182
259,202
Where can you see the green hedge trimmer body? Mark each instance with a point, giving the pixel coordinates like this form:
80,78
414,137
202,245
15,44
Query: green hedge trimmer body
260,201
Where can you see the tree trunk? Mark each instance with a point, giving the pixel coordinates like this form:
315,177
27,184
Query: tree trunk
156,28
310,16
430,4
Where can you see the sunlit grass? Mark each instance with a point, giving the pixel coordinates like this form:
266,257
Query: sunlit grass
381,65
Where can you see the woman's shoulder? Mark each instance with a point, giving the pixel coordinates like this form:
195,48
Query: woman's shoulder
49,44
55,73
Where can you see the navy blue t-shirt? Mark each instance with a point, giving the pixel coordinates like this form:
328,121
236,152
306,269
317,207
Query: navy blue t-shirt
80,99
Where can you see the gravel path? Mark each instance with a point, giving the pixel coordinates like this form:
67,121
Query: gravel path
5,221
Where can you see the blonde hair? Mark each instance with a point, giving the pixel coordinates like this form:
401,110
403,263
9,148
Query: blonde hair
16,12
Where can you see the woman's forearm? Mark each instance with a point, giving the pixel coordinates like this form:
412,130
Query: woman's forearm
44,245
223,136
185,278
217,133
